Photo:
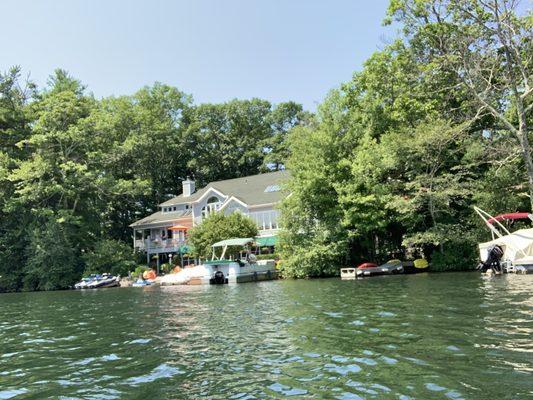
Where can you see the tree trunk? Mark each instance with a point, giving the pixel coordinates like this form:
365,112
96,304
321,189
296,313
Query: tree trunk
526,152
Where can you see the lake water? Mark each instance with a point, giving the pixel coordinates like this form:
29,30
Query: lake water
439,336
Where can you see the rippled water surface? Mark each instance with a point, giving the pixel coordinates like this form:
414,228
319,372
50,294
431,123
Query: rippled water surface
440,336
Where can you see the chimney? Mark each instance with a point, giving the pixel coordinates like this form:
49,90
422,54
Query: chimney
188,187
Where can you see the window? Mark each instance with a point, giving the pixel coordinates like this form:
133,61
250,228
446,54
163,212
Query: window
266,220
213,204
272,188
174,208
186,206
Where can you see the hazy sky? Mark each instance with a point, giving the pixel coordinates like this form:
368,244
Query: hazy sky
278,50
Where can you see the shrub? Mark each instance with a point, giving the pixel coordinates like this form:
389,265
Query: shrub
138,272
456,256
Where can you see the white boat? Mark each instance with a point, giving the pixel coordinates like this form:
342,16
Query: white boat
220,270
83,284
507,251
97,281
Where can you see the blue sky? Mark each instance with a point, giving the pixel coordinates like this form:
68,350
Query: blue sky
278,50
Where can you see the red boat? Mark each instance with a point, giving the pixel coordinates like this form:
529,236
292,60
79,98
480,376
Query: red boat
367,265
371,269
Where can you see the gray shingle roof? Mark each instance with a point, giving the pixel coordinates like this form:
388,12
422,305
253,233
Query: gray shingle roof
159,217
249,189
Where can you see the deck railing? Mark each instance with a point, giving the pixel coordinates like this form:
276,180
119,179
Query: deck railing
156,244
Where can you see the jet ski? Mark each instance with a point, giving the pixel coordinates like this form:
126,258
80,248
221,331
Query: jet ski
369,269
103,281
83,284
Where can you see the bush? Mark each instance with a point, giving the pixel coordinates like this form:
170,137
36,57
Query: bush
110,256
456,256
138,272
166,268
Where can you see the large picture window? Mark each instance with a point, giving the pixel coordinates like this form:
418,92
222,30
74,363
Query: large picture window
213,204
266,220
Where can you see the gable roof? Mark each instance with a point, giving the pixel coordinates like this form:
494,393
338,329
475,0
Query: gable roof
249,189
160,217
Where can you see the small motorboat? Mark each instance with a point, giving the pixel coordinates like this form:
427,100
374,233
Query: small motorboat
370,269
142,283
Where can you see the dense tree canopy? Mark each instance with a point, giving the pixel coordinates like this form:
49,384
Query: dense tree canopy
432,125
76,171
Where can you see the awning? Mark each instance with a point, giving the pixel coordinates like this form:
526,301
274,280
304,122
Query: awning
266,240
178,228
233,242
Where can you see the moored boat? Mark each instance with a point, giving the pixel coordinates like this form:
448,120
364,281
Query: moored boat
389,268
84,282
507,252
98,281
219,270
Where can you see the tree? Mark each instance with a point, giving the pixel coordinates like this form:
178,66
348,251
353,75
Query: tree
314,241
53,261
487,45
227,140
110,256
219,227
14,127
283,118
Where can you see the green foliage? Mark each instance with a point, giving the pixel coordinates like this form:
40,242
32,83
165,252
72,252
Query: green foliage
219,227
456,256
52,260
137,273
166,268
110,256
380,170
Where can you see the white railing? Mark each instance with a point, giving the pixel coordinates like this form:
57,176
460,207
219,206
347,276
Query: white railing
156,244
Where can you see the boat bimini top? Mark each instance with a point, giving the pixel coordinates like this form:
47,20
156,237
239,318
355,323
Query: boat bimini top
517,246
230,242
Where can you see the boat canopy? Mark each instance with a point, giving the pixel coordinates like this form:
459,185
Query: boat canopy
233,242
517,245
510,216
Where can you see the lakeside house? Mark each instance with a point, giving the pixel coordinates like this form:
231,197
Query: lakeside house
164,233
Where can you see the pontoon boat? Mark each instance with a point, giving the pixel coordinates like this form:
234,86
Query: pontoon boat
506,252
